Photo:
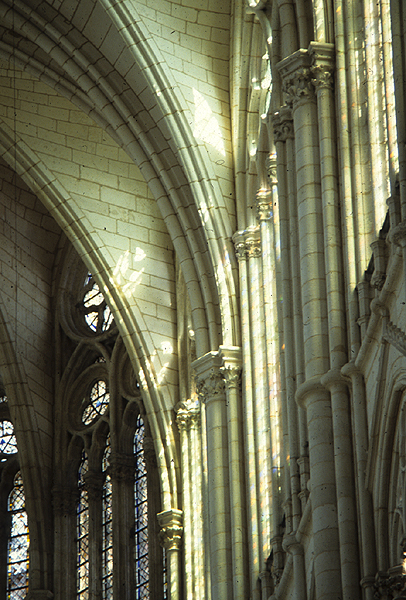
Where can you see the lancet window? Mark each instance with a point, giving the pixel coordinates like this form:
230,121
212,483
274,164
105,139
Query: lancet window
102,435
14,534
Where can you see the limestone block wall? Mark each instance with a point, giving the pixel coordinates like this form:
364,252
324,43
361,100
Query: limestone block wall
108,194
28,249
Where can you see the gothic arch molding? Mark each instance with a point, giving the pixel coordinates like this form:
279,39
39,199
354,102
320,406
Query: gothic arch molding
181,177
138,340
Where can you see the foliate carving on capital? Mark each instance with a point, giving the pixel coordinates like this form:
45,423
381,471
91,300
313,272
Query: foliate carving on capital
211,387
188,414
389,586
298,86
271,165
323,64
323,77
232,377
283,125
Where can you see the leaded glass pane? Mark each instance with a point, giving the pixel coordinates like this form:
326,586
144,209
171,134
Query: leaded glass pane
8,442
107,550
18,546
141,516
97,314
82,533
98,400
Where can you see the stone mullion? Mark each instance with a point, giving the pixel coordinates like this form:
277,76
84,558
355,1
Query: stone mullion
212,392
323,73
248,410
188,421
296,76
231,370
65,549
171,523
122,470
94,486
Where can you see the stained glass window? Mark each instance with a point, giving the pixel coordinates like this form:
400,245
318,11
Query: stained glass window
141,516
82,531
8,442
97,314
98,402
107,548
17,555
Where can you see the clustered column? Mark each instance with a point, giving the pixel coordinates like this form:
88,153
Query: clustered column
296,75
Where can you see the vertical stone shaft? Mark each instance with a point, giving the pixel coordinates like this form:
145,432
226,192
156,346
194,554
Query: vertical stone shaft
231,370
283,128
212,391
122,468
188,420
94,485
323,68
265,215
248,410
171,533
295,73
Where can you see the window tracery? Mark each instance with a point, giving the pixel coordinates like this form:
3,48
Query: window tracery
102,433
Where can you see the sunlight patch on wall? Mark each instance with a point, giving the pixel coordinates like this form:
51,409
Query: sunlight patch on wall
206,127
124,276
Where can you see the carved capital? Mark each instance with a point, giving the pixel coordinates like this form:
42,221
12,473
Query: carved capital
296,74
122,467
171,523
188,414
282,122
211,387
264,204
323,65
248,243
232,377
94,484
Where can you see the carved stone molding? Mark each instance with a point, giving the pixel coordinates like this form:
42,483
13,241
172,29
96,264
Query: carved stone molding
296,74
188,414
232,366
171,523
395,336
